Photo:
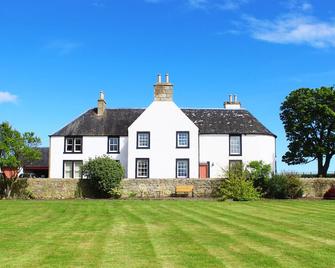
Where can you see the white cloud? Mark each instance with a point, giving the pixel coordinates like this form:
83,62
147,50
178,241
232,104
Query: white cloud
208,4
5,96
63,47
298,5
153,1
293,29
231,4
198,3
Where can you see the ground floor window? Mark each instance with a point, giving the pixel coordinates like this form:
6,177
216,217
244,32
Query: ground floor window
142,168
182,168
72,169
234,163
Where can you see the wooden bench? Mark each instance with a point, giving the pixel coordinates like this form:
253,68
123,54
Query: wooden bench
184,189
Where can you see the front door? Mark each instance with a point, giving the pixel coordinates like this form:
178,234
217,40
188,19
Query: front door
204,170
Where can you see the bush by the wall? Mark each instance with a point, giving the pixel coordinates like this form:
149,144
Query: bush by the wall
330,194
285,186
260,174
237,186
105,173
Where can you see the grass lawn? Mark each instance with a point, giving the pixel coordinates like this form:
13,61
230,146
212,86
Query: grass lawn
168,233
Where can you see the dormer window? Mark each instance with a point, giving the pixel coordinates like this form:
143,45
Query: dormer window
183,139
143,140
73,145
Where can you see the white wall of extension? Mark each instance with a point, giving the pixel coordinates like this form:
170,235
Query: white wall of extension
92,146
163,119
214,148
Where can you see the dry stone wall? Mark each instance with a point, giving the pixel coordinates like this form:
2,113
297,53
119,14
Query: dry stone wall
149,188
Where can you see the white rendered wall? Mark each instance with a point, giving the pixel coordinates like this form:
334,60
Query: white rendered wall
214,148
92,146
163,119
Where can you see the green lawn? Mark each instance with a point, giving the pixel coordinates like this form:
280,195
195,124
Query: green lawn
167,233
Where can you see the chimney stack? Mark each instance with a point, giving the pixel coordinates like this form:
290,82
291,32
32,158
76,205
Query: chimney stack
233,103
163,90
101,104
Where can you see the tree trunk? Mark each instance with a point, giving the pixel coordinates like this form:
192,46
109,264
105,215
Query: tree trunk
8,191
320,167
323,167
326,165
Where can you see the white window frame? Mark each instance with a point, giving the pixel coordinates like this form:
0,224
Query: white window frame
233,145
187,171
138,140
111,138
73,165
137,162
75,141
178,139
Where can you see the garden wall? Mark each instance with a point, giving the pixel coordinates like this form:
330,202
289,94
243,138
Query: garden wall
148,188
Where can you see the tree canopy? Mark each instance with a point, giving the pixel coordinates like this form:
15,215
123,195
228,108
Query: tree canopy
16,149
308,116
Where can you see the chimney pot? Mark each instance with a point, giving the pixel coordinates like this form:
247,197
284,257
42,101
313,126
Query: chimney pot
235,98
167,79
101,104
163,91
159,79
230,98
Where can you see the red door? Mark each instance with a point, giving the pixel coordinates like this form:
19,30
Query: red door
203,170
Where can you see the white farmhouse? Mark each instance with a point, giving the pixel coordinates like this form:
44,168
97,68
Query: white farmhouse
163,141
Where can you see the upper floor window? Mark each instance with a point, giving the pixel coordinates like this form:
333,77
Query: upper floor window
183,139
73,144
182,168
143,140
114,145
235,145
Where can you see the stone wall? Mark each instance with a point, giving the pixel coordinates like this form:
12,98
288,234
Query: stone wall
148,188
160,188
141,188
59,188
316,187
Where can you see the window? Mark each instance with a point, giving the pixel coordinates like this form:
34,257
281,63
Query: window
72,169
143,140
234,162
142,168
113,145
73,145
182,168
183,139
235,145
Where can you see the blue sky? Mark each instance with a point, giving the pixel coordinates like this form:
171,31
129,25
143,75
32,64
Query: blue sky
55,56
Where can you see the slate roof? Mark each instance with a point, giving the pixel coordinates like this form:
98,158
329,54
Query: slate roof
209,121
43,161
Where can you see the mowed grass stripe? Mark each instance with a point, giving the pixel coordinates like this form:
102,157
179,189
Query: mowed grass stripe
241,248
257,234
127,242
175,246
295,228
169,233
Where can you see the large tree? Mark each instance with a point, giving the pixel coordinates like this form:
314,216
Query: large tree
308,116
16,149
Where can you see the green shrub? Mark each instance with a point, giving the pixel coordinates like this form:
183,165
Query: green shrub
106,175
285,186
260,174
237,186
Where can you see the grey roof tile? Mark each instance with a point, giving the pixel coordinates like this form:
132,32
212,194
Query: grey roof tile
209,121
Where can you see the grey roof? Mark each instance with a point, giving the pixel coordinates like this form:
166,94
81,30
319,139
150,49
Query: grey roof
209,121
43,161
